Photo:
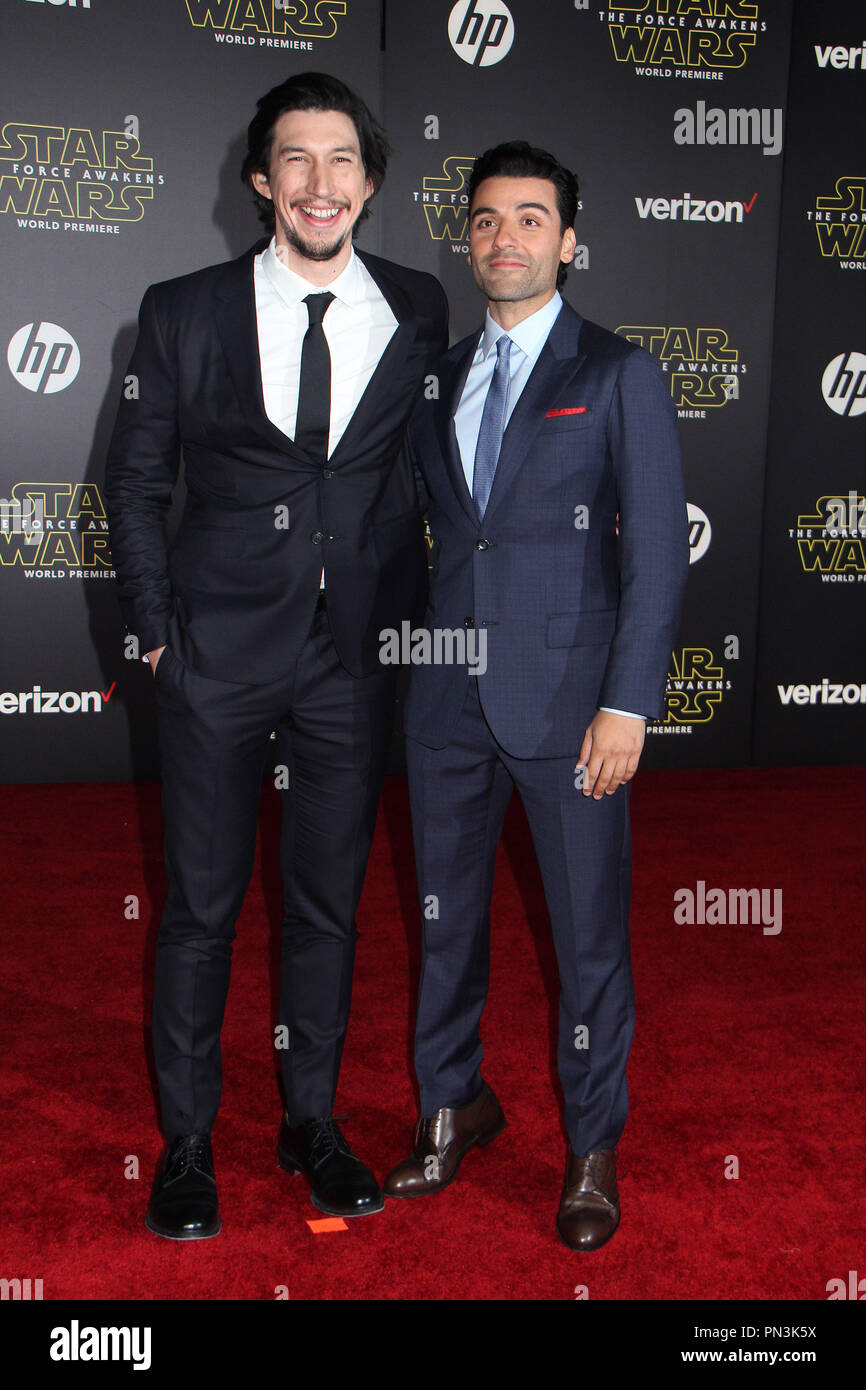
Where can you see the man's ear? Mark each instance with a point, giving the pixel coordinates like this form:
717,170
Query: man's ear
260,183
569,242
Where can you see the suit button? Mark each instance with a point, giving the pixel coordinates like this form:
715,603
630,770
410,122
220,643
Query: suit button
482,545
317,537
327,472
468,622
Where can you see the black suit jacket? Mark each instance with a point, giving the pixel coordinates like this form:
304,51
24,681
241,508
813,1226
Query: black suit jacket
234,594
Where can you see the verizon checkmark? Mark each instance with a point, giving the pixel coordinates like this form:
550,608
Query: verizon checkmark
748,206
107,694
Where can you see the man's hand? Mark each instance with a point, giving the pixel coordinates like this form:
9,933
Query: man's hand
153,658
610,752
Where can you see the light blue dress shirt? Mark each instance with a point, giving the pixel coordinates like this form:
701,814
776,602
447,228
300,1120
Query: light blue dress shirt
528,337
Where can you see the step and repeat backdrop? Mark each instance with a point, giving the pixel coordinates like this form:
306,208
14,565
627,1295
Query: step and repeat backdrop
722,225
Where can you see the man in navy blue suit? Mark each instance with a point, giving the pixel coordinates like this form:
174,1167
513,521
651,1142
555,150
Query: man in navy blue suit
550,471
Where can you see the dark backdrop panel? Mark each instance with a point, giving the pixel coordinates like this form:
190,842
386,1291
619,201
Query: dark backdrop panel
697,293
80,259
812,671
122,133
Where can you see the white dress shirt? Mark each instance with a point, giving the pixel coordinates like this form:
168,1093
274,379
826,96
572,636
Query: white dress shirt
528,338
358,326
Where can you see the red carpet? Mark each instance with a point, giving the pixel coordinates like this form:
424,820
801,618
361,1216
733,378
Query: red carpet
747,1045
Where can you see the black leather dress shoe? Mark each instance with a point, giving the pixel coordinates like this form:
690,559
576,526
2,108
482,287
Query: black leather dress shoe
183,1205
341,1184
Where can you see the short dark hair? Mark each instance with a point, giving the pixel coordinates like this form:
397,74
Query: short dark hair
516,159
312,91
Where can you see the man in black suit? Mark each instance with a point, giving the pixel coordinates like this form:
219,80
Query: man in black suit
548,430
286,377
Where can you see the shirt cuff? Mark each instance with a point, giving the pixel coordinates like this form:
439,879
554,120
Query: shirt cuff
628,714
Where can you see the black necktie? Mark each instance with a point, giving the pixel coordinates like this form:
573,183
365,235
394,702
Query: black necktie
314,391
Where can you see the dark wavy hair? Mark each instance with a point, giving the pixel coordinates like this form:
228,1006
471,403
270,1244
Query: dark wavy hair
516,159
312,91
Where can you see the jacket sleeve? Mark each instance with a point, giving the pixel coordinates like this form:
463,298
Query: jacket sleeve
654,560
141,471
440,324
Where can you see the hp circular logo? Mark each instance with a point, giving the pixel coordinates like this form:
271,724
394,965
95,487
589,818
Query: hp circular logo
43,357
843,384
481,31
700,533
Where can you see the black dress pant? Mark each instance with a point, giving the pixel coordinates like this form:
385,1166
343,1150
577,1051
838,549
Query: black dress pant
332,731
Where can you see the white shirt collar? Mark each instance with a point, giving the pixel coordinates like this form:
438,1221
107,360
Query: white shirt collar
530,334
292,288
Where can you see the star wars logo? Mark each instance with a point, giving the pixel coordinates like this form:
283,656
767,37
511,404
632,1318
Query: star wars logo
839,219
704,370
75,179
684,38
830,539
445,201
62,531
267,23
696,686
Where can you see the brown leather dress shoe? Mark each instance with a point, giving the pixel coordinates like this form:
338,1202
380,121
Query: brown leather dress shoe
589,1209
441,1141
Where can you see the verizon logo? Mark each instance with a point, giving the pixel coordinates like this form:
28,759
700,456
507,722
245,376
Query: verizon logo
689,209
39,701
823,693
838,56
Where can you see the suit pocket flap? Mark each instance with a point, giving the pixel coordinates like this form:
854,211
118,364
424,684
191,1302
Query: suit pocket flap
581,629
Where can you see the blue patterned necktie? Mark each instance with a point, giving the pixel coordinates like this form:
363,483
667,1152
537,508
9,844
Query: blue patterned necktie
492,427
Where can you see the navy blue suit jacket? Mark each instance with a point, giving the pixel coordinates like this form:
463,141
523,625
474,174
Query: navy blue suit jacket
574,617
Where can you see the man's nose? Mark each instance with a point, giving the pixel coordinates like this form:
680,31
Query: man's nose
506,237
320,180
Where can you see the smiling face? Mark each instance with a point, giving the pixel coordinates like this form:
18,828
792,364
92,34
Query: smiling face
516,244
318,186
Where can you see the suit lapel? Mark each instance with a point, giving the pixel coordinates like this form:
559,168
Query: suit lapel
385,380
558,361
238,331
451,386
235,311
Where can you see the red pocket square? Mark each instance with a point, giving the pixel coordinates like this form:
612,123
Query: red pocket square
569,410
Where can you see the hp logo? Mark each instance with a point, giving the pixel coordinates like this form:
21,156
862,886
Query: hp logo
700,533
481,31
843,384
44,358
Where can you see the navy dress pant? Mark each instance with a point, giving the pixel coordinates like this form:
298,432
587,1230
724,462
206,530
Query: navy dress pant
459,796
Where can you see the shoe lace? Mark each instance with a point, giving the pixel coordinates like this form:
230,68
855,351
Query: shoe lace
326,1139
188,1151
